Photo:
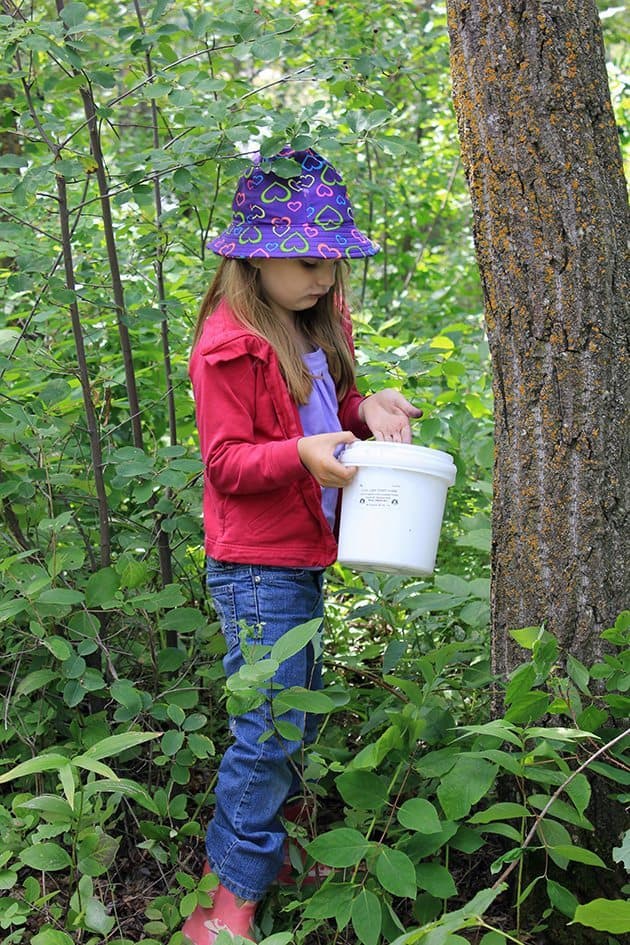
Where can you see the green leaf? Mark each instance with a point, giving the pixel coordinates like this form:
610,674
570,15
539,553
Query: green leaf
169,597
578,855
436,880
117,744
396,873
521,682
453,584
73,693
420,815
122,786
34,766
8,878
13,160
561,898
171,742
330,901
48,857
394,652
54,808
528,706
183,619
170,659
497,728
605,915
554,835
560,810
482,901
132,573
295,640
124,692
101,588
201,746
51,937
479,538
362,789
579,790
578,673
103,77
67,781
340,847
176,714
96,851
426,844
74,668
74,15
467,840
267,48
61,596
504,810
305,700
96,917
465,784
558,733
367,917
91,764
527,636
36,680
288,731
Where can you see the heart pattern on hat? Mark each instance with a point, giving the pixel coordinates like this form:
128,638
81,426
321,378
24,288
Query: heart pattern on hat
295,243
308,214
303,182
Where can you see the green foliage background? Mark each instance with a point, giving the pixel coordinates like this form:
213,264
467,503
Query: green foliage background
113,696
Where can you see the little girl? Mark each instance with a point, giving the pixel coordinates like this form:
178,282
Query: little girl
273,377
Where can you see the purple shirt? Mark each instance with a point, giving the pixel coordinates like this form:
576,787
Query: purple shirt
319,415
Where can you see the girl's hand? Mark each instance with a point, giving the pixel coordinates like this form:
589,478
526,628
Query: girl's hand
387,415
318,455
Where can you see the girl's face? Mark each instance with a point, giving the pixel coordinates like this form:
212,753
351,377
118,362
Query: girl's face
294,285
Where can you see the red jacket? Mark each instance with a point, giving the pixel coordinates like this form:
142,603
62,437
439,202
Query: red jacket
260,504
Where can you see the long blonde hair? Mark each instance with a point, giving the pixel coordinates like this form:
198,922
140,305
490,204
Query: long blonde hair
236,281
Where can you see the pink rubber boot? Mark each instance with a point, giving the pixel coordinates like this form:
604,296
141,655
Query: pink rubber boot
300,812
228,913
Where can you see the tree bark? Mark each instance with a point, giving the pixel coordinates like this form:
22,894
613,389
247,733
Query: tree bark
10,143
550,215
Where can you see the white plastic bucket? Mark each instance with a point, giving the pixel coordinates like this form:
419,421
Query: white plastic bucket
391,512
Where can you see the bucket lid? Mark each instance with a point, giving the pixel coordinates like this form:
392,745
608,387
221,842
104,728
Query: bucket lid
407,456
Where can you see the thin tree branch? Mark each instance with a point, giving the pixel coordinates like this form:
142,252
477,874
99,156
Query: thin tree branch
530,836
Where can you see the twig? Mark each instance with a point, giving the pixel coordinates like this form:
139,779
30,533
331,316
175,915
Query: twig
554,796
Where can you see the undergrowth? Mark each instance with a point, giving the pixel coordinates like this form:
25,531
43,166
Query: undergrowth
437,821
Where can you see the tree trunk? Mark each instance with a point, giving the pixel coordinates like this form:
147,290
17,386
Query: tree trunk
10,143
541,153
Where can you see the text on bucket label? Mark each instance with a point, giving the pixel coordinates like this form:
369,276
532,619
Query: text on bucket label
378,497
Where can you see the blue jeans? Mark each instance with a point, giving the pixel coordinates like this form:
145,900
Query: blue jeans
245,838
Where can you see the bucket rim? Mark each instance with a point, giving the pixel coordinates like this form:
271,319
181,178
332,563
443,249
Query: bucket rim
405,456
409,449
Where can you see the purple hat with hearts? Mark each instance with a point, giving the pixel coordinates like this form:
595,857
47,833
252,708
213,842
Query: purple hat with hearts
305,215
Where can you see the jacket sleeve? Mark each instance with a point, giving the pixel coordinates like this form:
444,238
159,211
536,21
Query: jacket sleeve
238,455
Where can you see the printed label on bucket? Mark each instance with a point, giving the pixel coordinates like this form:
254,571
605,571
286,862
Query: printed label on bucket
371,497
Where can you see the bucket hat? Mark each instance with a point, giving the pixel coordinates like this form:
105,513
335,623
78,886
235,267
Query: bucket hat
308,215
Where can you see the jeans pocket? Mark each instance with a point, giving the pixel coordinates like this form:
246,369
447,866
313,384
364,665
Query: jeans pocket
224,601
